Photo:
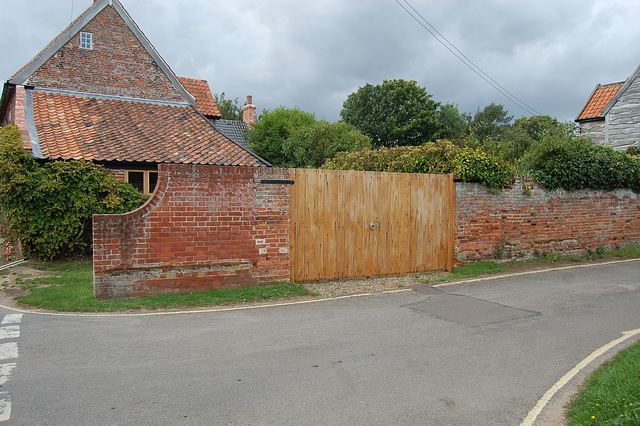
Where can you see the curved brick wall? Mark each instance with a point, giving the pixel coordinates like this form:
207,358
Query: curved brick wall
205,227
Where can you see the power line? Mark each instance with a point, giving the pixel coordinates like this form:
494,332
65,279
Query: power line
463,58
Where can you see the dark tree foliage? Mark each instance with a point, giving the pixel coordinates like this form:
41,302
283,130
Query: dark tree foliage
516,140
490,122
229,108
294,138
273,129
452,124
311,146
394,113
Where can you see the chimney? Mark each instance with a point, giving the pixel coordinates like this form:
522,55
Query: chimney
249,112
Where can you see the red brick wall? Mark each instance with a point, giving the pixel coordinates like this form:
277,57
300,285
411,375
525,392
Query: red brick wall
512,223
117,65
211,227
206,227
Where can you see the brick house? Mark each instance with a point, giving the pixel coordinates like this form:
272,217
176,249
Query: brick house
101,92
611,116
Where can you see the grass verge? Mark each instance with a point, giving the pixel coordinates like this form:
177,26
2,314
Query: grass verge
70,289
488,268
611,395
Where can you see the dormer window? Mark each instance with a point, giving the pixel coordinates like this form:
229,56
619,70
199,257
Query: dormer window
86,40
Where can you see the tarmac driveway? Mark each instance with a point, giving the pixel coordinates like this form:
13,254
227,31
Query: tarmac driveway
481,353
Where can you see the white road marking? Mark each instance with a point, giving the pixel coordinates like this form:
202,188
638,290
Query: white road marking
12,319
5,406
535,412
5,372
9,332
8,350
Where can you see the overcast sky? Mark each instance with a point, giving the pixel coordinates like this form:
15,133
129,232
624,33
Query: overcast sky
312,54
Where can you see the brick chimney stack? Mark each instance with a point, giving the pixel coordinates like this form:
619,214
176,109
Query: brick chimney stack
249,112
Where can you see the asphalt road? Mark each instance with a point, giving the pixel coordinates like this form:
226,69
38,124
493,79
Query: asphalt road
480,353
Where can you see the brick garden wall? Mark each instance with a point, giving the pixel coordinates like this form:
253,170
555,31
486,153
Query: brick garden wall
212,227
518,222
205,227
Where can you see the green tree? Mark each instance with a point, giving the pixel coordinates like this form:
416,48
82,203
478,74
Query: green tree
310,147
273,129
394,113
516,140
49,207
490,122
229,108
452,124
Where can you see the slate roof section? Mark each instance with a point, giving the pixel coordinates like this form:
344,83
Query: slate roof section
201,91
600,98
112,129
234,130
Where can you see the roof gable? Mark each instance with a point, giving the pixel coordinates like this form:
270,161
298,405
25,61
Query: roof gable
50,66
598,101
622,90
204,99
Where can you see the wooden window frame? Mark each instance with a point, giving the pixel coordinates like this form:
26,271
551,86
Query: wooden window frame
146,174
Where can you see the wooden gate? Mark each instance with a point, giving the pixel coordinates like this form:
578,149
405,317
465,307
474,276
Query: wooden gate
347,224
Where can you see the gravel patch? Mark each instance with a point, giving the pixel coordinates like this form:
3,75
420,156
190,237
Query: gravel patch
348,286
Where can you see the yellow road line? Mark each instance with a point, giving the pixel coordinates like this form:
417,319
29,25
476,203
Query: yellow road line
535,411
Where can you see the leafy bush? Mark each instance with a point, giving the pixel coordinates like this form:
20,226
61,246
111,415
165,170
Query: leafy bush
634,150
574,163
310,147
294,138
275,127
49,207
439,158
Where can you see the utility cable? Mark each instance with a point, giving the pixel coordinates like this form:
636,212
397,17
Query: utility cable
463,58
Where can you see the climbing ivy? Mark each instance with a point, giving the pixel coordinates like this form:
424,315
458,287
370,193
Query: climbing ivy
49,207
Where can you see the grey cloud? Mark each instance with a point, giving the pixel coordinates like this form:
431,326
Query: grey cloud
313,54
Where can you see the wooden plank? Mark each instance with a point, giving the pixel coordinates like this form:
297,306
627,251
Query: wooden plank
312,205
406,227
351,225
293,226
368,216
416,222
330,224
384,204
340,182
450,212
421,259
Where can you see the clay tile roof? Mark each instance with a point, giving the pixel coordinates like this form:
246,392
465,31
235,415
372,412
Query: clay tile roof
201,91
599,100
75,126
